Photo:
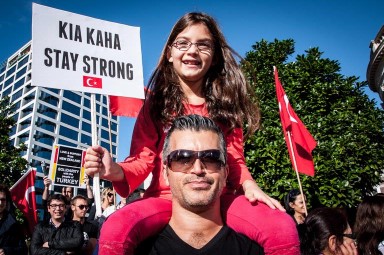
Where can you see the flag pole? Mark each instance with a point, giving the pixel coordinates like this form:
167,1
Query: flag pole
110,139
96,178
297,172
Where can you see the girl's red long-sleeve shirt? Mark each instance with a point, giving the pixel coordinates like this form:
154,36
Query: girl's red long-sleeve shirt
146,156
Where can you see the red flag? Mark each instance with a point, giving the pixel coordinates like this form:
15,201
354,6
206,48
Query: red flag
299,141
125,106
24,196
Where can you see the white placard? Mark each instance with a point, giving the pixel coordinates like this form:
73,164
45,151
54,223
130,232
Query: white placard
76,52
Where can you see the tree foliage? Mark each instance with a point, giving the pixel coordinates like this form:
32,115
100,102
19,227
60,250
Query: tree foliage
12,164
346,124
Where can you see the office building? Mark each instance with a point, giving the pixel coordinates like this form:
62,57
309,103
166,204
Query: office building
46,116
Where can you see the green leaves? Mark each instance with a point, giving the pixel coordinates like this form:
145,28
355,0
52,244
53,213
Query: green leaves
346,124
11,163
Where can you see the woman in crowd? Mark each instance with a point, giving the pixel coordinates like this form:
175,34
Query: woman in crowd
369,226
294,205
326,232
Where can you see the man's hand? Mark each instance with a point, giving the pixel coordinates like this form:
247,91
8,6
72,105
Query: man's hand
98,160
86,180
46,245
2,252
253,193
47,181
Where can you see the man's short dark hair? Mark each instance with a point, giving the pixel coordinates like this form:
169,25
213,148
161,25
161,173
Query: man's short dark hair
196,123
73,200
59,197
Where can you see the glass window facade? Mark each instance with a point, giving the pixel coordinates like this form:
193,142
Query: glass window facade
21,72
22,62
72,96
10,71
71,108
68,133
73,122
86,127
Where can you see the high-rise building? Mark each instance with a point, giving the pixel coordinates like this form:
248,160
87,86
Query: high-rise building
47,116
375,70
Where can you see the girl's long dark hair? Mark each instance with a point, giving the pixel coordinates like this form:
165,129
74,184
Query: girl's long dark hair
229,98
369,225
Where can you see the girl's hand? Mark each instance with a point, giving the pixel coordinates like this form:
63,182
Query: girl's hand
348,249
98,160
253,193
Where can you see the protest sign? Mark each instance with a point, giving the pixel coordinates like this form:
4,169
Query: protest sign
80,53
67,168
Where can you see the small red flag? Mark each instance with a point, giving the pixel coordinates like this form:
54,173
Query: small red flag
301,140
24,197
92,82
125,106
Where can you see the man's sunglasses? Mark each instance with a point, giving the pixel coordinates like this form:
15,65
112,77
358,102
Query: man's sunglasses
184,160
82,207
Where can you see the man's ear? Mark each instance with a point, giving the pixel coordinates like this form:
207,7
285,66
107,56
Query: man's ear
226,171
165,174
73,207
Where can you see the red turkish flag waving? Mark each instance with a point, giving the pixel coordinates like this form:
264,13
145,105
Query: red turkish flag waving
125,106
24,197
299,141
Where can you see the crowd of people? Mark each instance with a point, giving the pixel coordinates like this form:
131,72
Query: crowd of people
202,198
196,171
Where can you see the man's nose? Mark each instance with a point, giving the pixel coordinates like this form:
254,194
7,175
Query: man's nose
198,167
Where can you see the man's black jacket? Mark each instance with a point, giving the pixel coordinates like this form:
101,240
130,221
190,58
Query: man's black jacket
67,237
11,237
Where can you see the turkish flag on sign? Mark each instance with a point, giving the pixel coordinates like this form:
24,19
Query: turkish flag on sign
24,197
299,141
92,82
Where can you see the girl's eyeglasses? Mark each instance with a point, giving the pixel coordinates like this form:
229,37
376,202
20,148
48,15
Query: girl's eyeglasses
184,45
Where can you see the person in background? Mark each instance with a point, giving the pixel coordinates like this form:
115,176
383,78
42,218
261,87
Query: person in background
369,225
57,236
294,206
12,240
137,194
197,73
122,203
107,203
326,231
67,192
195,164
79,206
